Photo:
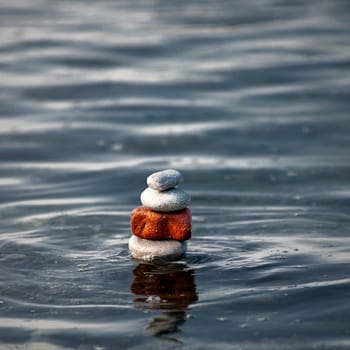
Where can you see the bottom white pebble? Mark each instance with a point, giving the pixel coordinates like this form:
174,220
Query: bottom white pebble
152,249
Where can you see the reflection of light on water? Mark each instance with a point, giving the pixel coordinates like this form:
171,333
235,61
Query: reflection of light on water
8,181
167,287
186,162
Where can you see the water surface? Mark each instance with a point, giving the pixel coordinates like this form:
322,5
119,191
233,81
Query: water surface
248,99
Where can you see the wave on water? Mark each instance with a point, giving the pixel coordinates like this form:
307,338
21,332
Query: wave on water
249,100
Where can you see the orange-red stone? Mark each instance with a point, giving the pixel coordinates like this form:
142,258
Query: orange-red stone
150,224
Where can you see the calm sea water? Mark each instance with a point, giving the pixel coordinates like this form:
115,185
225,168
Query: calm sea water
248,99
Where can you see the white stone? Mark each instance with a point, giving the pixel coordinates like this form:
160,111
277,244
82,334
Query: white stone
170,200
149,250
165,179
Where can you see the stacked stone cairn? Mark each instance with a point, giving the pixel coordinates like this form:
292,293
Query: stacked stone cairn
162,224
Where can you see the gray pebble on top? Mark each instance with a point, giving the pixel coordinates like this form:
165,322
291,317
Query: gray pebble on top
165,179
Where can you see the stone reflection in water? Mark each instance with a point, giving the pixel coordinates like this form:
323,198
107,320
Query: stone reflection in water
168,287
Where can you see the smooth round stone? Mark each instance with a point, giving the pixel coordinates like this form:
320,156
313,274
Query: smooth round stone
145,249
170,200
165,179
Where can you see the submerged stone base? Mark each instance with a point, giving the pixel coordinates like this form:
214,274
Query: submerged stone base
145,249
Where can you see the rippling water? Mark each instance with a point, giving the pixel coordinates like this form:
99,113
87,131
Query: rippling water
248,99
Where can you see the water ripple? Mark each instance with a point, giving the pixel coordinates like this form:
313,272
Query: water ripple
249,101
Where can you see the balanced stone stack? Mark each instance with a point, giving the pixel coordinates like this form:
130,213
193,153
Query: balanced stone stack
162,224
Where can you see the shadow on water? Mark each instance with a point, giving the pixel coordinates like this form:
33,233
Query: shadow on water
168,287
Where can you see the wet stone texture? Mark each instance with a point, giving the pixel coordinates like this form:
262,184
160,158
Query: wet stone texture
153,225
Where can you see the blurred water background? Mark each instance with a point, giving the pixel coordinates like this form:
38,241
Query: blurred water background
248,99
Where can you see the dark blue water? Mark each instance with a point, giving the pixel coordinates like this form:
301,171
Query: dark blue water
248,99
